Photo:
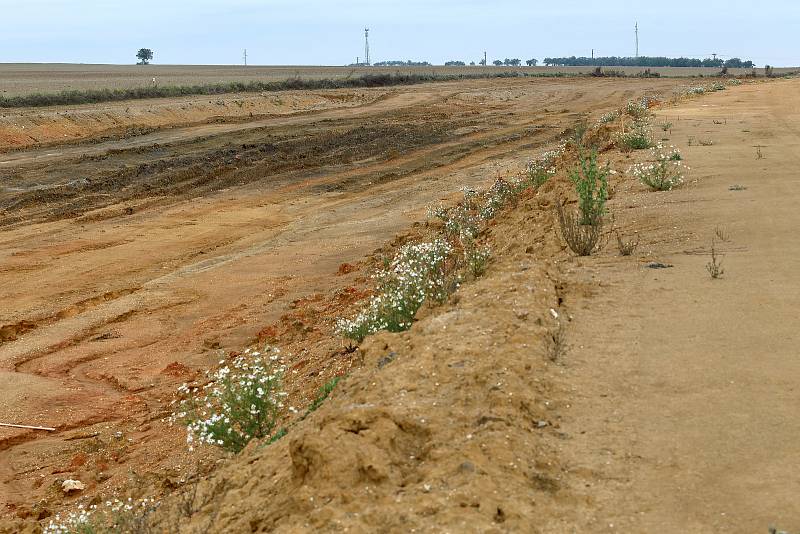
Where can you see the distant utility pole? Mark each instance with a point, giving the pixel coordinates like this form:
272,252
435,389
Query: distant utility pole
366,46
245,57
485,60
637,39
592,53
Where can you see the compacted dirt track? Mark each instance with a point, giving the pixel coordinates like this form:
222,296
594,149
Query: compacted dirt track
127,267
684,388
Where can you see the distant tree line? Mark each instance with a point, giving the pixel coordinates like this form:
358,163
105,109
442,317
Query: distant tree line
408,63
645,61
507,62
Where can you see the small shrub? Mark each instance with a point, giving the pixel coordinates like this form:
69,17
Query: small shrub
714,267
673,154
663,173
666,126
578,132
460,222
705,142
609,117
699,90
591,184
637,138
637,110
734,82
241,402
542,169
716,86
418,273
495,198
476,260
582,239
627,247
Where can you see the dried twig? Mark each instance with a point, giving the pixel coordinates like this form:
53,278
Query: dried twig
9,425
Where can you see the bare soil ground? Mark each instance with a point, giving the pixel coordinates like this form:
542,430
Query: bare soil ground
670,408
668,411
130,265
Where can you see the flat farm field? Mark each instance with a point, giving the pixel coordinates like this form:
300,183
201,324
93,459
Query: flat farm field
22,79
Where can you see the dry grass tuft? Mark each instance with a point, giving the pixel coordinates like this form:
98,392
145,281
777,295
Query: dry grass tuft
627,247
582,239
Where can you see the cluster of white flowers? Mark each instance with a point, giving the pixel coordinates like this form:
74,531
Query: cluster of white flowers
637,109
710,88
496,197
734,82
477,259
663,172
670,153
542,169
430,271
240,402
71,523
418,273
113,516
638,137
611,116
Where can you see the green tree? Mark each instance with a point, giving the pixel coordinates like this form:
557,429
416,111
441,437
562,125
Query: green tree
497,63
144,55
532,62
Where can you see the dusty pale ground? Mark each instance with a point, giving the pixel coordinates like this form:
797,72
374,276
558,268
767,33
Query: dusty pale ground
668,411
683,390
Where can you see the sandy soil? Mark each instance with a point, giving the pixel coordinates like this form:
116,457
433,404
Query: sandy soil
670,408
127,267
683,395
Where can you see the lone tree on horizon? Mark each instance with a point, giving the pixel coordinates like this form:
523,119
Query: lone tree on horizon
144,55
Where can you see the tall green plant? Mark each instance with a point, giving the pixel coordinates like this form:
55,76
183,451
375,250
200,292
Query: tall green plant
591,184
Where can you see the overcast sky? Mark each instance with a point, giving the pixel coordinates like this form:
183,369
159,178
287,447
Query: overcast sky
330,32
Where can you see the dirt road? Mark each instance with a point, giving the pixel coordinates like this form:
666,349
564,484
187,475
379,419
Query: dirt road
684,416
127,267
